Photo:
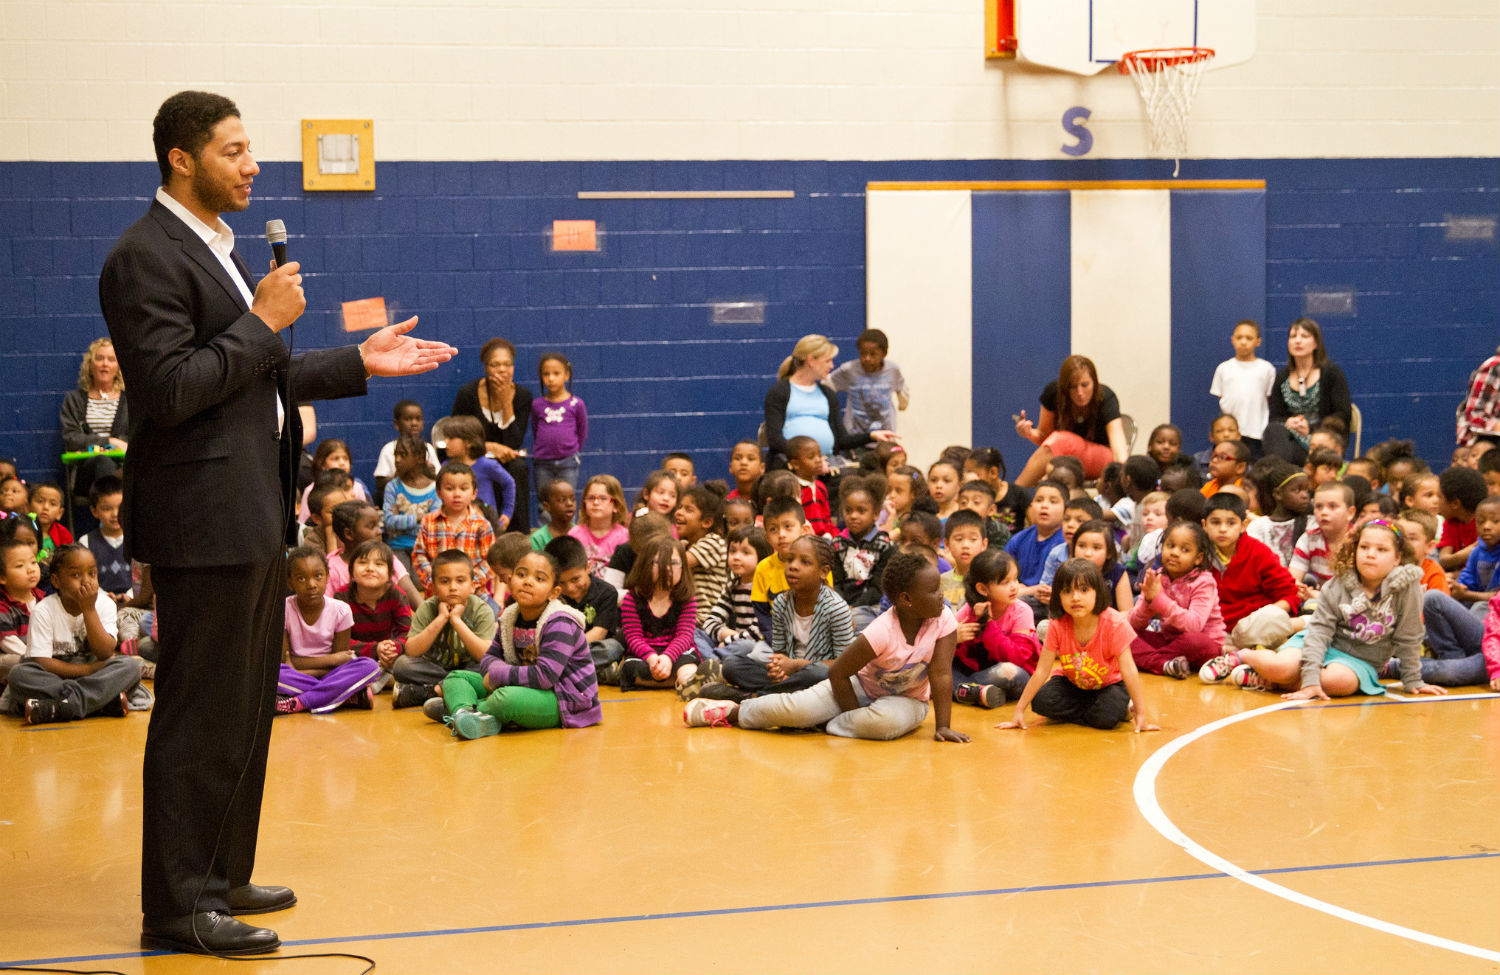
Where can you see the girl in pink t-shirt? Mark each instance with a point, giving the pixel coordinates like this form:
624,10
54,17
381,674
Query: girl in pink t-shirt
1085,674
997,644
602,527
319,672
878,688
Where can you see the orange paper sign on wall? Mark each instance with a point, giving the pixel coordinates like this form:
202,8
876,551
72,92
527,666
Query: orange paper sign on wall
574,235
364,314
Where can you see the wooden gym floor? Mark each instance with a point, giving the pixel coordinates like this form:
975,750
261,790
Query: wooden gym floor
1361,837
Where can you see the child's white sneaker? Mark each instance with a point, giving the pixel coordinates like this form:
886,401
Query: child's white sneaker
1219,668
705,712
1245,676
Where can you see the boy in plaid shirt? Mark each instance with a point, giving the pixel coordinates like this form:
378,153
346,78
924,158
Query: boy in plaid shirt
454,525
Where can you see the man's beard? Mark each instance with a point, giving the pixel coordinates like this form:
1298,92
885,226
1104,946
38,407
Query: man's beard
214,197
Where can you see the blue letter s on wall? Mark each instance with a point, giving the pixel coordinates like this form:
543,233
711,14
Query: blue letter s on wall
1072,121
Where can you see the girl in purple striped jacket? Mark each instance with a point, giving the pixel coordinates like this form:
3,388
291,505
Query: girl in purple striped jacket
538,673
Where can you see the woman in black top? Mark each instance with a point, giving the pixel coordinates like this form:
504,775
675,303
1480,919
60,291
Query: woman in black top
1085,423
504,409
1308,390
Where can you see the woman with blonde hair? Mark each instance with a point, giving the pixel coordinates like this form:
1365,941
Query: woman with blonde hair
799,405
93,414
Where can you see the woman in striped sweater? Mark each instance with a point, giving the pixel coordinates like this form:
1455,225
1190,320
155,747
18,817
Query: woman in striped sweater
810,626
538,673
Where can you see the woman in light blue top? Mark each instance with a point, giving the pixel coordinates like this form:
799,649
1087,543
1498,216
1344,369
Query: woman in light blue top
799,405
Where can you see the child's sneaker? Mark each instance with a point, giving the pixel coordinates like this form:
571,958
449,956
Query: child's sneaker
41,710
117,708
1245,676
986,696
720,691
410,695
712,670
362,699
1178,668
609,673
1218,668
288,705
469,724
435,708
706,713
690,688
632,670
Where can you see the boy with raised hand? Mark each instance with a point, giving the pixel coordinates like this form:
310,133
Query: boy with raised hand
597,600
451,630
1257,595
1312,555
455,525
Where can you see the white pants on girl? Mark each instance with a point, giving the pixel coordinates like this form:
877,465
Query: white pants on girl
882,719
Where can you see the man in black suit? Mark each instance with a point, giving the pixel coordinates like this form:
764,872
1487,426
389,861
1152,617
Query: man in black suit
209,478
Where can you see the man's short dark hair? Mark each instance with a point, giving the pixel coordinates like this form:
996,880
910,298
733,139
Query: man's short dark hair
568,552
186,121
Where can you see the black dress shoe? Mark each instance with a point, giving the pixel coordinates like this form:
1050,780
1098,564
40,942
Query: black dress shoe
209,932
255,899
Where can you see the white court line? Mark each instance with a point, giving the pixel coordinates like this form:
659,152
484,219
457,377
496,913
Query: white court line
1145,799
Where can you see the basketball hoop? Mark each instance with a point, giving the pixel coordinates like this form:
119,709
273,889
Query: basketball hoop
1167,79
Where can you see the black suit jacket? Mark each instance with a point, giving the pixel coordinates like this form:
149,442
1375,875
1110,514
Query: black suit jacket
207,480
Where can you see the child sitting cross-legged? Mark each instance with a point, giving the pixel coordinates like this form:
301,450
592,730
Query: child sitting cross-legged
320,671
354,523
1257,595
1370,611
879,687
537,674
1085,673
860,551
382,618
450,631
731,626
809,627
1183,596
657,617
71,669
997,643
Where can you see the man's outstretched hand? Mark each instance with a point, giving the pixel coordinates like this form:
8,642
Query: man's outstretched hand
391,352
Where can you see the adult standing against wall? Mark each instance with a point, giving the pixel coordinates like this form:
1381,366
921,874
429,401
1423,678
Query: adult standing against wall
799,405
1308,389
209,475
1080,417
504,409
94,414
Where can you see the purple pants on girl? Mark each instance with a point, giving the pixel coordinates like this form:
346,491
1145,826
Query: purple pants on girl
329,692
1152,650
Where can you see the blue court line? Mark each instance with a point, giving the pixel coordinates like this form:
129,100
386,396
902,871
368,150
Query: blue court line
803,906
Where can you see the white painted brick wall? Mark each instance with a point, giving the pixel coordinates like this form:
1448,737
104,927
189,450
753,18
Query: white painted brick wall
642,79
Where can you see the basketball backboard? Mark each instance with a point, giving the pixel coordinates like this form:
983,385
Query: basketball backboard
1086,36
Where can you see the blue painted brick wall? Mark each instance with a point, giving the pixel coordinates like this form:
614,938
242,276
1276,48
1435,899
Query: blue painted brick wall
465,245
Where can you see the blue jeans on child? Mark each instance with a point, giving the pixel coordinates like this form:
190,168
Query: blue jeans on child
1453,630
544,472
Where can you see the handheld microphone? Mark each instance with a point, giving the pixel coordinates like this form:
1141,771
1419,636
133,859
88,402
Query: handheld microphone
276,237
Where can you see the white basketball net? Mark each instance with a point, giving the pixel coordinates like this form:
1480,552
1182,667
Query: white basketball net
1167,80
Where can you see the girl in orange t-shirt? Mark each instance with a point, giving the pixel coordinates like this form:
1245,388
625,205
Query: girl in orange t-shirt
1085,674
